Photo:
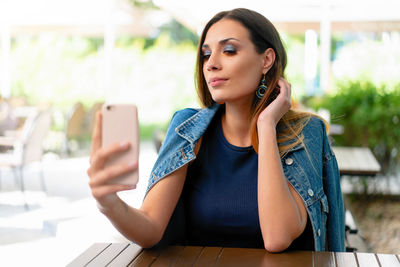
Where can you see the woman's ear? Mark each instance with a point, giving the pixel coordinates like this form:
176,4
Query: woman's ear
268,59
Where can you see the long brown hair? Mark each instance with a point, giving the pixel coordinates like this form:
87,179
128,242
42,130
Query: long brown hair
263,35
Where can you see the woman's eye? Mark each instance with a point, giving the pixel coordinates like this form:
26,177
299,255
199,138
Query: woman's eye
206,54
230,49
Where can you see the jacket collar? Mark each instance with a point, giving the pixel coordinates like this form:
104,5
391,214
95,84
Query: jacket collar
195,126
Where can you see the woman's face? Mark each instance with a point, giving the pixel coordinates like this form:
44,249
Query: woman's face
232,67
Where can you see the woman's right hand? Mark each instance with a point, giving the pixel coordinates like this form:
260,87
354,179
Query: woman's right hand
101,179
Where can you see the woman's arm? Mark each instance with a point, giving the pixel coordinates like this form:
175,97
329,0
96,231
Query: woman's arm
144,226
282,213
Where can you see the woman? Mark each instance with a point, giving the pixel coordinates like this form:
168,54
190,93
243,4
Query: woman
244,171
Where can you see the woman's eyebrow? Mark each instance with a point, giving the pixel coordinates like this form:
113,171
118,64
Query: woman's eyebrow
223,41
228,39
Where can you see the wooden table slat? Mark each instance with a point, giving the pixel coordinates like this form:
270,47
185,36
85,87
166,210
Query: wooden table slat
388,260
367,260
345,259
168,256
88,255
126,256
188,256
208,256
326,259
292,258
146,258
236,257
107,255
356,161
240,257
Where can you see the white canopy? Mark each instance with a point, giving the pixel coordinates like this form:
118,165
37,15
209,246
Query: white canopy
83,17
296,15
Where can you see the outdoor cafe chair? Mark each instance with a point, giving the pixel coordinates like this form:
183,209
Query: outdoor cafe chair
27,147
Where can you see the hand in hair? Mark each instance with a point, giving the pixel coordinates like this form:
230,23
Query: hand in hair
271,115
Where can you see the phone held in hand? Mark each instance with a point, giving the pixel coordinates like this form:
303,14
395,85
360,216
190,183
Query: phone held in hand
120,123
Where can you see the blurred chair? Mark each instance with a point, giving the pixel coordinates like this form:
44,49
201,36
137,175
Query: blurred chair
8,122
158,138
27,147
18,101
91,117
75,125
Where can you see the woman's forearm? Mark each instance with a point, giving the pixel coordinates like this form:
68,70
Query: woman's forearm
280,218
134,224
146,226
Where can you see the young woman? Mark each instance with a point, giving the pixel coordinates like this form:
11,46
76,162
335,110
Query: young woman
244,171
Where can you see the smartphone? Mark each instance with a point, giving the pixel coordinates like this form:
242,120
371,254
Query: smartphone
120,123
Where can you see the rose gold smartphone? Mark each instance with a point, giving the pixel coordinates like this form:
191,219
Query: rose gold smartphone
120,123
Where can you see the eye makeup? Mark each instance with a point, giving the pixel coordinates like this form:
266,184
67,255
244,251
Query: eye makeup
230,49
227,48
206,53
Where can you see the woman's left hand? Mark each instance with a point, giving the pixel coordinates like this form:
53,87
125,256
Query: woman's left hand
275,111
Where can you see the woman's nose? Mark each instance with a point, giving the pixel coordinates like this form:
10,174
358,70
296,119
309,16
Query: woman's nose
213,63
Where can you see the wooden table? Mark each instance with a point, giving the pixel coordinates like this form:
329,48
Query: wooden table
356,161
126,254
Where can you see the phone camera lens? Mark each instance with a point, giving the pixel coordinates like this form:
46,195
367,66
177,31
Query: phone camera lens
108,107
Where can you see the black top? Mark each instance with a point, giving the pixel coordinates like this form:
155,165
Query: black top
220,196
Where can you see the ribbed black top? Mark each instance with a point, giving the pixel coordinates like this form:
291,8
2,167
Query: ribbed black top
220,196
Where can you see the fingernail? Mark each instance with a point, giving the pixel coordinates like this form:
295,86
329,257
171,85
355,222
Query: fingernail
124,144
132,164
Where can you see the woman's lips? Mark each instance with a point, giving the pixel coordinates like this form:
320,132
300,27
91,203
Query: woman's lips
217,81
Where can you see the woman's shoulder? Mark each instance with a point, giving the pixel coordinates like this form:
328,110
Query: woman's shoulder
309,125
182,115
307,122
193,114
185,113
315,122
316,129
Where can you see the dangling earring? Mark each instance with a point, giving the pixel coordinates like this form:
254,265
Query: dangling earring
262,88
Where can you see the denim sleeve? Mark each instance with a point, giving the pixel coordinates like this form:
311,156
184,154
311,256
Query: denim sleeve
335,223
171,136
166,161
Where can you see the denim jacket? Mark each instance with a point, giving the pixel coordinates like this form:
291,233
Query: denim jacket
311,170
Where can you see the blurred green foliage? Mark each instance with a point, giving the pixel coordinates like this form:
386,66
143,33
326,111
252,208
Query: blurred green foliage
370,115
179,33
294,45
61,70
144,4
56,69
155,73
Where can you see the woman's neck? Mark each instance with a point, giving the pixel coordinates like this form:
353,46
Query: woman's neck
236,125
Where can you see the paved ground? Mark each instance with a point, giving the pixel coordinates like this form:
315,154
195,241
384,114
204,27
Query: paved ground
62,224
